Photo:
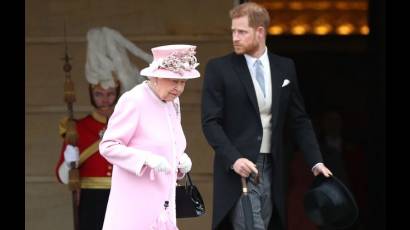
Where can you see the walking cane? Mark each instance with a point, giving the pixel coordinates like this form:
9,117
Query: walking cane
71,135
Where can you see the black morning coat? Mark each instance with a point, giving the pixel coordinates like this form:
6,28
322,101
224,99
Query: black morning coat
232,126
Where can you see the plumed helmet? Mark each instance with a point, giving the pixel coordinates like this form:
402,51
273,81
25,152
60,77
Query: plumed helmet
108,62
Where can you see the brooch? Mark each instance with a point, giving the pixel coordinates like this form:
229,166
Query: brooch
176,107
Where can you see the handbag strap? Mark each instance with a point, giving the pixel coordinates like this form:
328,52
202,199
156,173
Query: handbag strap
189,181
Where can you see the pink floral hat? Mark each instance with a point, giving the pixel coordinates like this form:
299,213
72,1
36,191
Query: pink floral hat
173,61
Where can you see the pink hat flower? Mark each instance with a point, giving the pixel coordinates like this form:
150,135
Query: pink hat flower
173,61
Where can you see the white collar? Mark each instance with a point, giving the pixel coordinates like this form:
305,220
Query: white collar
263,58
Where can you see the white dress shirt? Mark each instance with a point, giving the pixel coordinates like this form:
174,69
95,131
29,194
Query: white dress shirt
264,103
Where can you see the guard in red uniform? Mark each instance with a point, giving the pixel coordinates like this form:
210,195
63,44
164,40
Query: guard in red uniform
95,171
107,79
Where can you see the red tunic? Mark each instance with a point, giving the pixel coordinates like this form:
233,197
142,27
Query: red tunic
95,171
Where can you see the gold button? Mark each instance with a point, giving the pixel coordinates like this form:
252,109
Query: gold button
109,167
108,174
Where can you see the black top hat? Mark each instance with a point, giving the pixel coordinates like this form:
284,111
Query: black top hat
330,203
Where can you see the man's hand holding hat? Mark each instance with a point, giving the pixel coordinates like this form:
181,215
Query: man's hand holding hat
320,168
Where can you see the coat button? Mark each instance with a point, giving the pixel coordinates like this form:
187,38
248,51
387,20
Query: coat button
259,138
108,174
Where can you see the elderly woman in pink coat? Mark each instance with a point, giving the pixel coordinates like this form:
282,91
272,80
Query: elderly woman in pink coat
145,142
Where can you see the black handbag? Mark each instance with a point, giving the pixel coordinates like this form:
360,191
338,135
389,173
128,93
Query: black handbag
188,201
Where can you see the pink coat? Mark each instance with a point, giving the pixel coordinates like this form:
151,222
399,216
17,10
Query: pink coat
141,124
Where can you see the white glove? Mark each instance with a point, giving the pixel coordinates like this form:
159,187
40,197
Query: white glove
71,154
185,163
158,163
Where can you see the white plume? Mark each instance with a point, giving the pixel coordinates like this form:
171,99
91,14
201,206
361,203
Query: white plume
107,53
